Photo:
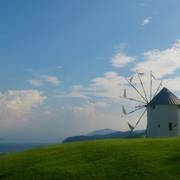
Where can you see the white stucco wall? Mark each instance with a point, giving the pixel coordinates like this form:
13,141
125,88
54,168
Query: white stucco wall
163,115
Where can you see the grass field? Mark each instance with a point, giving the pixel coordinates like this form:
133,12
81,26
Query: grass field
97,160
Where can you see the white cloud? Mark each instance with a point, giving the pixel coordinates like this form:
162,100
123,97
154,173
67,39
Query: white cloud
120,59
44,79
16,104
35,82
109,86
162,62
52,79
98,104
76,91
146,20
172,83
96,116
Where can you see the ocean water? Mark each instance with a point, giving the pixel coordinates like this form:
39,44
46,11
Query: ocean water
16,147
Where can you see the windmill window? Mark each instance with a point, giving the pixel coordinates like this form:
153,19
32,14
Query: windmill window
159,126
170,126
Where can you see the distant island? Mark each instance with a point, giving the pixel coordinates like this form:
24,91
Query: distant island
106,134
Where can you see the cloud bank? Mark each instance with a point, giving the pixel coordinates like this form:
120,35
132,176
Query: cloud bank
121,59
162,62
15,105
40,81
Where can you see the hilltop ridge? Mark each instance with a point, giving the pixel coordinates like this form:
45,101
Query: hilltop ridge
127,159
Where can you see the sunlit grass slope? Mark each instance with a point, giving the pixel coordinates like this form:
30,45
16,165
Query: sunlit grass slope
97,160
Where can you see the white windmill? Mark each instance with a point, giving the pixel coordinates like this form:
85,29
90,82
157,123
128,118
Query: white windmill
145,97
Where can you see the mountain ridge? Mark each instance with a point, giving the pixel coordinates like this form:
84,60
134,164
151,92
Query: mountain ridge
114,134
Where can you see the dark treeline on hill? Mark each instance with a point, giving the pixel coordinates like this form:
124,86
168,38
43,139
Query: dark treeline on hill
115,134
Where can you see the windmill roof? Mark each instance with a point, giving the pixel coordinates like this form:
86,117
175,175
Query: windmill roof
165,97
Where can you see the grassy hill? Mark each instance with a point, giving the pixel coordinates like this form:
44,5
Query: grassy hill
136,159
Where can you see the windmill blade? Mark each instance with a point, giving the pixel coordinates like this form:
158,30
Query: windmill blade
125,94
131,78
161,83
133,99
154,77
135,89
150,95
141,74
134,110
142,85
131,127
140,118
158,88
140,106
124,111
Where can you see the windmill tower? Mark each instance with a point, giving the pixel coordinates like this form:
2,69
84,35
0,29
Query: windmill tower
162,107
163,115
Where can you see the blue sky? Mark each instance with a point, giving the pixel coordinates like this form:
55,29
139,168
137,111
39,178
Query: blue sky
64,55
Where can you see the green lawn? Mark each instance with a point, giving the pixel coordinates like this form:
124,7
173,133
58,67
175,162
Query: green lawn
97,160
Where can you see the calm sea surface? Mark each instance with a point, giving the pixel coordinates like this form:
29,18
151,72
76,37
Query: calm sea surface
15,147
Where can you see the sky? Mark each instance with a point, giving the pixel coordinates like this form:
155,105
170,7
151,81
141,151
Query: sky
63,63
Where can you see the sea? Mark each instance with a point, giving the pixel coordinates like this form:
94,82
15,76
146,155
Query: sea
17,147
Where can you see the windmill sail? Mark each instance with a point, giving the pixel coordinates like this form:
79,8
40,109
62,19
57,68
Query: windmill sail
124,111
136,90
133,99
154,77
140,73
140,118
131,78
142,85
158,89
151,83
131,127
125,94
139,108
